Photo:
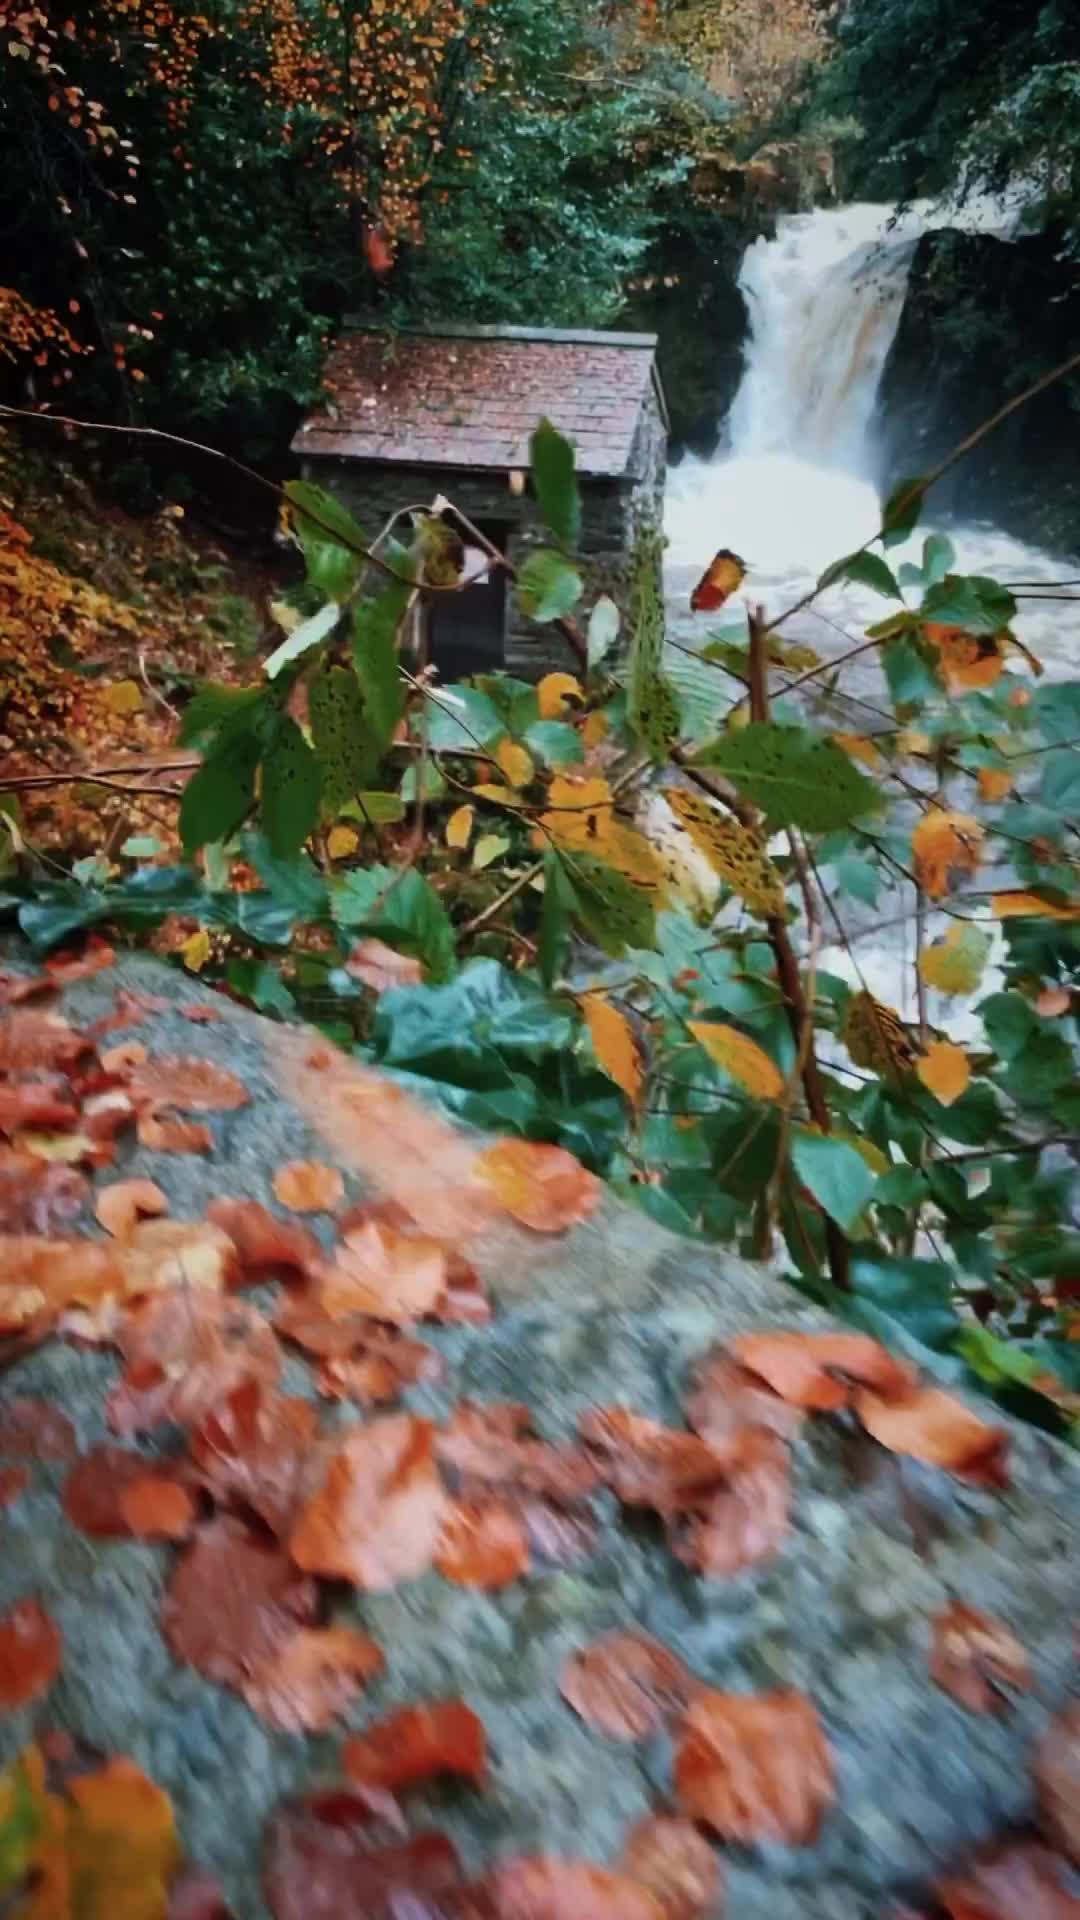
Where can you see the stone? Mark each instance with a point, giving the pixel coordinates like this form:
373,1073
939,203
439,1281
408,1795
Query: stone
617,1310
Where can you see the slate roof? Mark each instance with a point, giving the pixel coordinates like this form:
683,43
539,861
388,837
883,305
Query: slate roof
470,397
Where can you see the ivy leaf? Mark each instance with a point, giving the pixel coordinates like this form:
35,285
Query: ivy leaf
555,482
398,905
332,543
291,786
603,629
302,638
901,511
218,798
868,569
339,731
375,652
835,1173
548,586
796,780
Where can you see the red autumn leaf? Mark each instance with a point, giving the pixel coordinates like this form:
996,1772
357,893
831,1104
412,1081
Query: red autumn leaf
755,1766
234,1602
626,1685
647,1464
186,1351
165,1135
156,1507
64,969
321,1865
97,1488
819,1371
1055,1772
13,1481
676,1863
30,1040
544,1187
942,1432
308,1186
416,1743
1018,1879
375,1375
121,1204
33,1430
381,967
746,1520
535,1887
378,251
312,1678
491,1444
265,1244
37,1104
724,573
378,1516
37,1196
259,1451
128,1010
484,1544
977,1659
189,1085
30,1654
725,1398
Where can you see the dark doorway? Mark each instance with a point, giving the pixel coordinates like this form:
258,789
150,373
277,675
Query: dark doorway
468,629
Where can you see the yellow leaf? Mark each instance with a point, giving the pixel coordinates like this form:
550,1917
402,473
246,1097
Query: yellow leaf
124,697
196,951
553,692
595,728
514,762
876,1037
944,1070
909,740
955,964
459,826
341,841
506,796
122,1844
740,1057
1008,906
488,848
733,850
859,748
994,783
614,1044
68,1148
942,844
579,812
968,661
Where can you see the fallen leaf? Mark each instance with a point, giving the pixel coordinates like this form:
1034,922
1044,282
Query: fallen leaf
553,692
120,1844
536,1887
192,1254
492,1444
375,1369
626,1685
16,987
200,1015
65,969
736,1525
189,1085
30,1040
931,1426
459,827
234,1601
393,1276
164,1135
33,1430
195,951
977,1659
156,1507
97,1487
417,1743
120,1205
264,1244
1020,1878
558,1535
13,1482
40,1278
36,1197
726,1398
944,1070
755,1767
123,698
324,1842
820,1371
484,1544
312,1678
124,1059
36,1104
647,1464
69,1149
259,1452
378,1516
381,967
195,1895
614,1044
30,1654
307,1186
1055,1773
544,1187
186,1351
944,844
675,1862
740,1057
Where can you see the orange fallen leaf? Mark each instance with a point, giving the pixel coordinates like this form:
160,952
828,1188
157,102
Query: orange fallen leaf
164,1135
726,1398
675,1862
121,1204
324,1840
1015,904
393,1276
190,1085
377,1367
819,1371
626,1684
64,969
30,1653
186,1350
259,1451
30,1039
36,1198
234,1601
125,1058
459,827
544,1187
492,1444
378,1516
35,1104
943,844
647,1464
157,1508
977,1658
312,1678
40,1278
538,1887
484,1544
264,1244
194,1254
381,967
944,1070
307,1186
755,1766
98,1485
932,1426
416,1743
746,1519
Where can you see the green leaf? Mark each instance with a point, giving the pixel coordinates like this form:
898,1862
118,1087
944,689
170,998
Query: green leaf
835,1173
20,1828
796,779
212,706
1009,1023
938,556
653,713
611,909
339,732
914,1297
868,569
302,638
333,544
381,809
218,798
555,484
260,982
909,676
375,652
901,511
859,879
548,586
970,601
295,882
462,716
1055,710
603,629
553,742
1059,788
554,917
291,785
398,905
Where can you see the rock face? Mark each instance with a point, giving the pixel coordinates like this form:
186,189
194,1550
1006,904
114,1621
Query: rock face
615,1311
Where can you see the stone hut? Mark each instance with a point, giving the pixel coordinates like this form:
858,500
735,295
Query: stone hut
418,414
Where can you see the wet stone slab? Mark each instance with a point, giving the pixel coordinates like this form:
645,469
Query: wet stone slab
616,1311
